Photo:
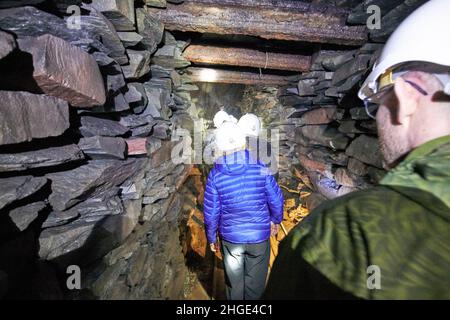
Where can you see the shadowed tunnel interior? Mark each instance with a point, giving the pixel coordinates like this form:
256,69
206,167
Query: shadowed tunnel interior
98,99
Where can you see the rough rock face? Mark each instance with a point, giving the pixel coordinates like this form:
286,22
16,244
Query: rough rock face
149,28
365,149
23,116
31,22
139,64
40,158
17,188
24,216
94,126
7,44
70,187
103,147
120,12
64,71
75,194
327,139
97,22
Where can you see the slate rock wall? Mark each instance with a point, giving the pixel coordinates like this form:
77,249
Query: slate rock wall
86,175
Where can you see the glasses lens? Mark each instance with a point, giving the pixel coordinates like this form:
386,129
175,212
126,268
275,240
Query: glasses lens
371,109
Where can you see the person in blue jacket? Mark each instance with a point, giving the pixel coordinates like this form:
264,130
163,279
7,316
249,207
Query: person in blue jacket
243,204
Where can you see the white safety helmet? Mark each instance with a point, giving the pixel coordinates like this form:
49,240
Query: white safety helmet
422,37
220,117
229,137
232,119
250,124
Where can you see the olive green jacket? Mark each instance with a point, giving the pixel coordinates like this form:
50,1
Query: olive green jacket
401,226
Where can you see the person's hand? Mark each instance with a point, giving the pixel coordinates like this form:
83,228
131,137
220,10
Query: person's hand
214,247
274,228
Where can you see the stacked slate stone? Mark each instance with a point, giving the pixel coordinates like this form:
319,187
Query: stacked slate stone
86,178
392,13
334,140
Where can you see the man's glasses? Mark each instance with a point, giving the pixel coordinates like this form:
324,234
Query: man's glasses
372,103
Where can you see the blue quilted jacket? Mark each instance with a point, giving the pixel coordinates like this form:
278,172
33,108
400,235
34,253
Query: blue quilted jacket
241,199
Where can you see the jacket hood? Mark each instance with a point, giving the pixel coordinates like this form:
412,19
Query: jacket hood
234,163
424,176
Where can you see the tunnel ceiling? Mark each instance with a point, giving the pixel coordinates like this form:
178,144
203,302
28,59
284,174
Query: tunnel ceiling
265,41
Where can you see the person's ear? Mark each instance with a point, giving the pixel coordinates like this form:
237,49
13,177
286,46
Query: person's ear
408,99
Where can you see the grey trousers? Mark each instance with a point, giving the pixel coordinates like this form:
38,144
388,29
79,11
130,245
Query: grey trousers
246,267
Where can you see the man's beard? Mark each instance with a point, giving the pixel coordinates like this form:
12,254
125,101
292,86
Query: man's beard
392,149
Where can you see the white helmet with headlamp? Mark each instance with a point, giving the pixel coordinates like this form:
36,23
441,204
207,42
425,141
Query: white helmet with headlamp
419,43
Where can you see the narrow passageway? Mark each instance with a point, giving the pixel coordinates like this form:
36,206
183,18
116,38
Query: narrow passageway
205,277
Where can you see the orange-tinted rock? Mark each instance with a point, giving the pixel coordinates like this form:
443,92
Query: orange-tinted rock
137,146
312,165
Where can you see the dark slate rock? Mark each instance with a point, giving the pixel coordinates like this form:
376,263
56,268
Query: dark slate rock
350,126
5,4
89,210
71,187
322,85
370,126
84,241
306,87
359,113
7,44
119,12
359,14
29,21
72,74
130,39
102,59
61,240
94,126
158,101
158,191
329,59
160,131
134,121
17,188
143,131
103,147
332,63
355,66
22,217
39,158
370,48
139,64
117,103
350,82
138,106
24,113
323,154
325,136
99,24
366,149
149,28
133,95
158,71
391,20
170,56
115,80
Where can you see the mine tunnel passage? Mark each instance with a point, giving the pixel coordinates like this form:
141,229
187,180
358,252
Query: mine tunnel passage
90,117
